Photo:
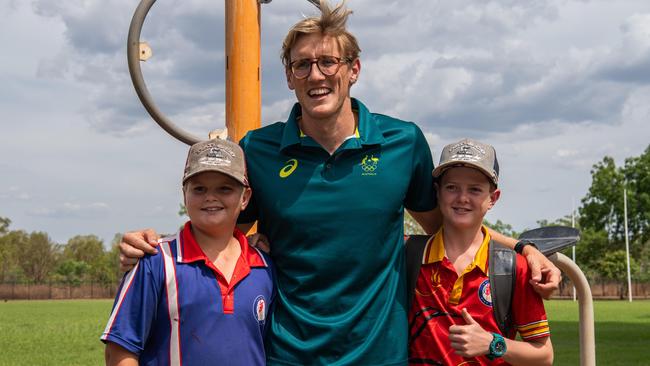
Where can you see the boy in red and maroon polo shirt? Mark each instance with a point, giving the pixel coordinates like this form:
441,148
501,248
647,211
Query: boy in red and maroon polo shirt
451,320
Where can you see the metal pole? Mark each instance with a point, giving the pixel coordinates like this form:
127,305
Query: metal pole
586,307
243,74
627,247
573,248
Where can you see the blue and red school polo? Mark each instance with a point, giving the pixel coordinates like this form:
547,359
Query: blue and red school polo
176,308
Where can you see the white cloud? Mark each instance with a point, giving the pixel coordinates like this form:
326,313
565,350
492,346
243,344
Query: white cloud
554,90
72,210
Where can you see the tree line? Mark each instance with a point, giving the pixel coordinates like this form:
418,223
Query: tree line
35,258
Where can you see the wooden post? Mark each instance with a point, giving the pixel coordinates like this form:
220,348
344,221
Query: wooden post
243,73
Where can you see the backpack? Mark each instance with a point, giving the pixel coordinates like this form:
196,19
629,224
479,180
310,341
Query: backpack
502,271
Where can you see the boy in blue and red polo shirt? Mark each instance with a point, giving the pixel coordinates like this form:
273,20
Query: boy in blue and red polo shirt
205,296
451,320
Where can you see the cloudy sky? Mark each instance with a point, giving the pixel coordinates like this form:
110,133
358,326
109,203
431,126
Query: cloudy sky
554,85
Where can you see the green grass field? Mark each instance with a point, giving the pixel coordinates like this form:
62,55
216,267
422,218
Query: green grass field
67,332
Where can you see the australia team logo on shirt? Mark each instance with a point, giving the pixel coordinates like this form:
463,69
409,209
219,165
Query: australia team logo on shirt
259,309
484,293
369,164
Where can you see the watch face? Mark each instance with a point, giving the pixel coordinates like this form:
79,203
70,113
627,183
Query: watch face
500,346
497,347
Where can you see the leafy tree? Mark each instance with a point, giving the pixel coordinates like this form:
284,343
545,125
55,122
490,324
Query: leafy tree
603,206
10,248
37,256
84,248
88,250
613,266
4,225
71,271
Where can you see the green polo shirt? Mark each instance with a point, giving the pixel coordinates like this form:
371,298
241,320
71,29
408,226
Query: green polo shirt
335,223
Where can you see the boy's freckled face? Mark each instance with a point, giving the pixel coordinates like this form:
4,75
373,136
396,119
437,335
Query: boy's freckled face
465,196
213,199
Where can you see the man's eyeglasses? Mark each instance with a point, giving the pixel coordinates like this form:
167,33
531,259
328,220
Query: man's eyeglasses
328,66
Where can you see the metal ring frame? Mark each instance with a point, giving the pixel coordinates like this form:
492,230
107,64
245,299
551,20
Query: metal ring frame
133,58
133,61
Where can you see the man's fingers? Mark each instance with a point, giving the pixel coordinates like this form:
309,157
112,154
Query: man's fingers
535,270
139,240
151,237
259,241
545,290
468,318
130,252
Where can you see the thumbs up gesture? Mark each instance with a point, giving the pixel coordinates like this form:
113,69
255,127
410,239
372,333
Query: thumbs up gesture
469,340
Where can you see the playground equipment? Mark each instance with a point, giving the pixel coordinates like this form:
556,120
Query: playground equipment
551,240
243,113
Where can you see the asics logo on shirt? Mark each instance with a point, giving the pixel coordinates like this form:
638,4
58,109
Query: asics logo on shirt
289,167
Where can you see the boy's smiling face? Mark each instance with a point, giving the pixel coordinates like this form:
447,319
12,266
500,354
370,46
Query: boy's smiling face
214,200
464,196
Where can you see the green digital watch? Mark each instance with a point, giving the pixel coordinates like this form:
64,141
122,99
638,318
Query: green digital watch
497,347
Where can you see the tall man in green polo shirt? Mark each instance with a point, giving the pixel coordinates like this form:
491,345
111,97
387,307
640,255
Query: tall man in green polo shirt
330,186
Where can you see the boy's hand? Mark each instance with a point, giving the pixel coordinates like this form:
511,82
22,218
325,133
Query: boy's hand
259,241
545,277
134,245
469,340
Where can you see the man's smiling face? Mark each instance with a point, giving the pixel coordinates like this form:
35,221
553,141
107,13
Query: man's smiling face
321,97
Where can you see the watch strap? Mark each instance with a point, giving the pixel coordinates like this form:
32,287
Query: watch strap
519,247
497,347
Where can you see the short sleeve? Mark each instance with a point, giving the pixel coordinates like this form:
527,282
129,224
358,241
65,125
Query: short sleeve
135,306
421,195
528,310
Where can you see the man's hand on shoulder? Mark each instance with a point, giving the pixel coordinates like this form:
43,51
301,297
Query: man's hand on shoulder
134,245
259,241
545,277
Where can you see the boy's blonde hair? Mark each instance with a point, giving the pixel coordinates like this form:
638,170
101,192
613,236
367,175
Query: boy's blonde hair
330,23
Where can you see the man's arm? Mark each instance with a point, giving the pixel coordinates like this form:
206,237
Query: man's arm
545,277
430,221
116,355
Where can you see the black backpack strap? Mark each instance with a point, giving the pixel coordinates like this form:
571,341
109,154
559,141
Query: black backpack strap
415,245
502,268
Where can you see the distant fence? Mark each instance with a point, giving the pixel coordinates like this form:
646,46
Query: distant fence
94,290
53,290
601,289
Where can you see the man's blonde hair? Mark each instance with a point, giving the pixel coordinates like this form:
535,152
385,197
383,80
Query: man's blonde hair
330,23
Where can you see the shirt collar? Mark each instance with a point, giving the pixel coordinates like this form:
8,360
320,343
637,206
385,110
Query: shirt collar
435,250
192,252
366,133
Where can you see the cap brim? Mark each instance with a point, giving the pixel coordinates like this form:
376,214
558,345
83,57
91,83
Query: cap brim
212,169
437,172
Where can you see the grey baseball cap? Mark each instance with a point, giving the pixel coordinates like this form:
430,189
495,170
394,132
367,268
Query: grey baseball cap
469,153
216,155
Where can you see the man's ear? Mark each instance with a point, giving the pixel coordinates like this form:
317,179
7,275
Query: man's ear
355,71
287,73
